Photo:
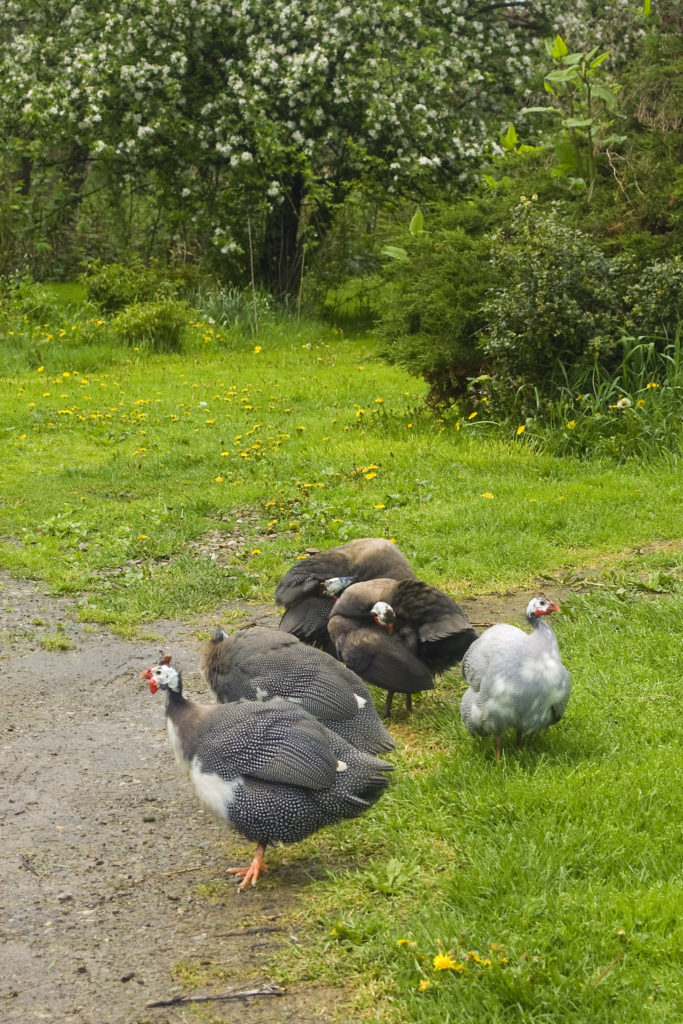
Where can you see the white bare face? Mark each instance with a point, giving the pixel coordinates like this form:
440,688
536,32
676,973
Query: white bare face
540,606
383,613
162,677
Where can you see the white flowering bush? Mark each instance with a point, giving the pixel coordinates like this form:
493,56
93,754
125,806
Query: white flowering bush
234,128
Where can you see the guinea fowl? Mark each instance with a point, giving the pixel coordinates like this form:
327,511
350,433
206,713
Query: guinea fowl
516,679
398,633
260,663
271,770
309,589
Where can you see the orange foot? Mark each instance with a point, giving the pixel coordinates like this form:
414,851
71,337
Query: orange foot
251,873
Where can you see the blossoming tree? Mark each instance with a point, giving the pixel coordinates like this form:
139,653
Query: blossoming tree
235,125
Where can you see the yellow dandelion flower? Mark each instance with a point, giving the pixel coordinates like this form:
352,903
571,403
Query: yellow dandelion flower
142,536
520,429
223,454
256,551
31,405
571,424
641,403
379,400
653,384
403,942
22,437
258,348
409,425
370,476
379,505
471,416
424,984
443,962
218,479
40,369
487,494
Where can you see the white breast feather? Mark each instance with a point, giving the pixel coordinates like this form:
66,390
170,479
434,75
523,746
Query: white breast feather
215,793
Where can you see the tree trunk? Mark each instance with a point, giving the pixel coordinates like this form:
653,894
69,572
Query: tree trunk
282,253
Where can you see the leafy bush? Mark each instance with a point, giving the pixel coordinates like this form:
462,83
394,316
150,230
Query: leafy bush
561,302
156,325
431,306
113,286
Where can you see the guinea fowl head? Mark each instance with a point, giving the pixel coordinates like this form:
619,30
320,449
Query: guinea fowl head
335,586
162,676
384,615
539,606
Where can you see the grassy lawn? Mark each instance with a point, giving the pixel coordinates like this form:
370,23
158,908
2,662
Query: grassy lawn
545,885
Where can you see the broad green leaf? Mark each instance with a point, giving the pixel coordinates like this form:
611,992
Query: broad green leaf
417,222
560,48
578,122
598,60
561,75
572,59
606,95
395,252
509,139
491,182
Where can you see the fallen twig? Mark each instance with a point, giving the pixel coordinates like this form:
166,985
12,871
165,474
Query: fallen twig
182,871
609,967
248,931
249,993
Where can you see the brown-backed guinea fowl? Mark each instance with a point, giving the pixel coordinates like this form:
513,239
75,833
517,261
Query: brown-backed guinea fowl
271,770
516,680
398,634
309,589
260,663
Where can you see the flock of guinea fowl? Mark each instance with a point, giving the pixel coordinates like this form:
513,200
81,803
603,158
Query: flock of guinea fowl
292,744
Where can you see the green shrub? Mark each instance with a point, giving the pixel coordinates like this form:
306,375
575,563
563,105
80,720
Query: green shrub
113,286
156,325
561,302
430,308
655,299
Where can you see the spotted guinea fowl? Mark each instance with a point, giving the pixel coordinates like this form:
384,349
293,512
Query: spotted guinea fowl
515,679
308,590
259,663
398,633
271,770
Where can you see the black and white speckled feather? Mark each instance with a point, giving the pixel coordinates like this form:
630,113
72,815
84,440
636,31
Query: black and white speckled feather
302,589
515,679
260,663
425,633
271,770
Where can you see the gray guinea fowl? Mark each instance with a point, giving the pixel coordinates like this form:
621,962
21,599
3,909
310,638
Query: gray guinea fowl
398,633
516,680
260,663
271,770
308,590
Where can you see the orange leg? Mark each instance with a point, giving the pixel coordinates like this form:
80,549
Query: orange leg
251,873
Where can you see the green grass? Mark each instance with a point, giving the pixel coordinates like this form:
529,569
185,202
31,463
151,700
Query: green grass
548,879
549,865
114,470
